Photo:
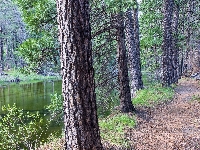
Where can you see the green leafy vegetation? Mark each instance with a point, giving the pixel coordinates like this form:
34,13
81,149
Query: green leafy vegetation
20,129
106,103
56,104
40,48
195,98
115,6
31,77
112,128
56,108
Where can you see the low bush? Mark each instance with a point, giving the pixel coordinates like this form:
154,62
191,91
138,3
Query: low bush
20,129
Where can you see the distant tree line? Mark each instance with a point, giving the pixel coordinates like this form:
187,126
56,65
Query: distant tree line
12,33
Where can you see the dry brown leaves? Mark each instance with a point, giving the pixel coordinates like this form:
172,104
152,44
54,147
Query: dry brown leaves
171,126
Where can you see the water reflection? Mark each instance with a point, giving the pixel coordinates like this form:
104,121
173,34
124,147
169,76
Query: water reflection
29,97
32,97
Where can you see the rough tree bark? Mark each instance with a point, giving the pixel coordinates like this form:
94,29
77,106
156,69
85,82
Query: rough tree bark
125,94
175,48
193,33
1,50
78,86
167,46
133,45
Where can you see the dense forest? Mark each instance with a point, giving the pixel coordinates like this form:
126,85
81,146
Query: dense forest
106,51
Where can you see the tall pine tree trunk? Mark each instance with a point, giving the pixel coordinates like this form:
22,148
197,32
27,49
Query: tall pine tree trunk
133,45
167,46
78,86
1,50
175,49
193,8
125,95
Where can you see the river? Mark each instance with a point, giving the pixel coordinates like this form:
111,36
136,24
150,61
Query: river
32,97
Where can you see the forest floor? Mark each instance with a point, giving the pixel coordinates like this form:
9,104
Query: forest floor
173,125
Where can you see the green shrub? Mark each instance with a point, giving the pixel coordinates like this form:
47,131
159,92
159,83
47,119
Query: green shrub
56,108
195,98
106,102
20,129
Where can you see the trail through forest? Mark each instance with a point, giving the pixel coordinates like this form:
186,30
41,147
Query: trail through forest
174,125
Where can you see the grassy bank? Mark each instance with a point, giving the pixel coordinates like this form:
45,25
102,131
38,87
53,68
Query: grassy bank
113,128
25,78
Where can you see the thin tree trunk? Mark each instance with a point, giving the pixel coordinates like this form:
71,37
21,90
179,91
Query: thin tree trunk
133,45
194,54
175,49
125,95
78,86
1,50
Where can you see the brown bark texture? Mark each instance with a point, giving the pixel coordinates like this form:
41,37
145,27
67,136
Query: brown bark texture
167,46
133,46
192,32
78,87
125,94
175,48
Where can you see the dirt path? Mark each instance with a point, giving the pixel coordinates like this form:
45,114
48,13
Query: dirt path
171,126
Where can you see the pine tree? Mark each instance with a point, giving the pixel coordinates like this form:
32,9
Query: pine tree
133,46
78,87
167,48
125,93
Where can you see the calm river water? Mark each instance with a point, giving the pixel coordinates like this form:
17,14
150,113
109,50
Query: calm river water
31,97
34,97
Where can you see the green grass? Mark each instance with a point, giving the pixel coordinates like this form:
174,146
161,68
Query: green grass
25,78
153,95
195,98
112,128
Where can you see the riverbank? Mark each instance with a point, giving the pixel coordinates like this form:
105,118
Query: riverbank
170,124
14,76
114,127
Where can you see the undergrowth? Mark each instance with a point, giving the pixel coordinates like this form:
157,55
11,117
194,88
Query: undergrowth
152,95
112,128
20,129
195,98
